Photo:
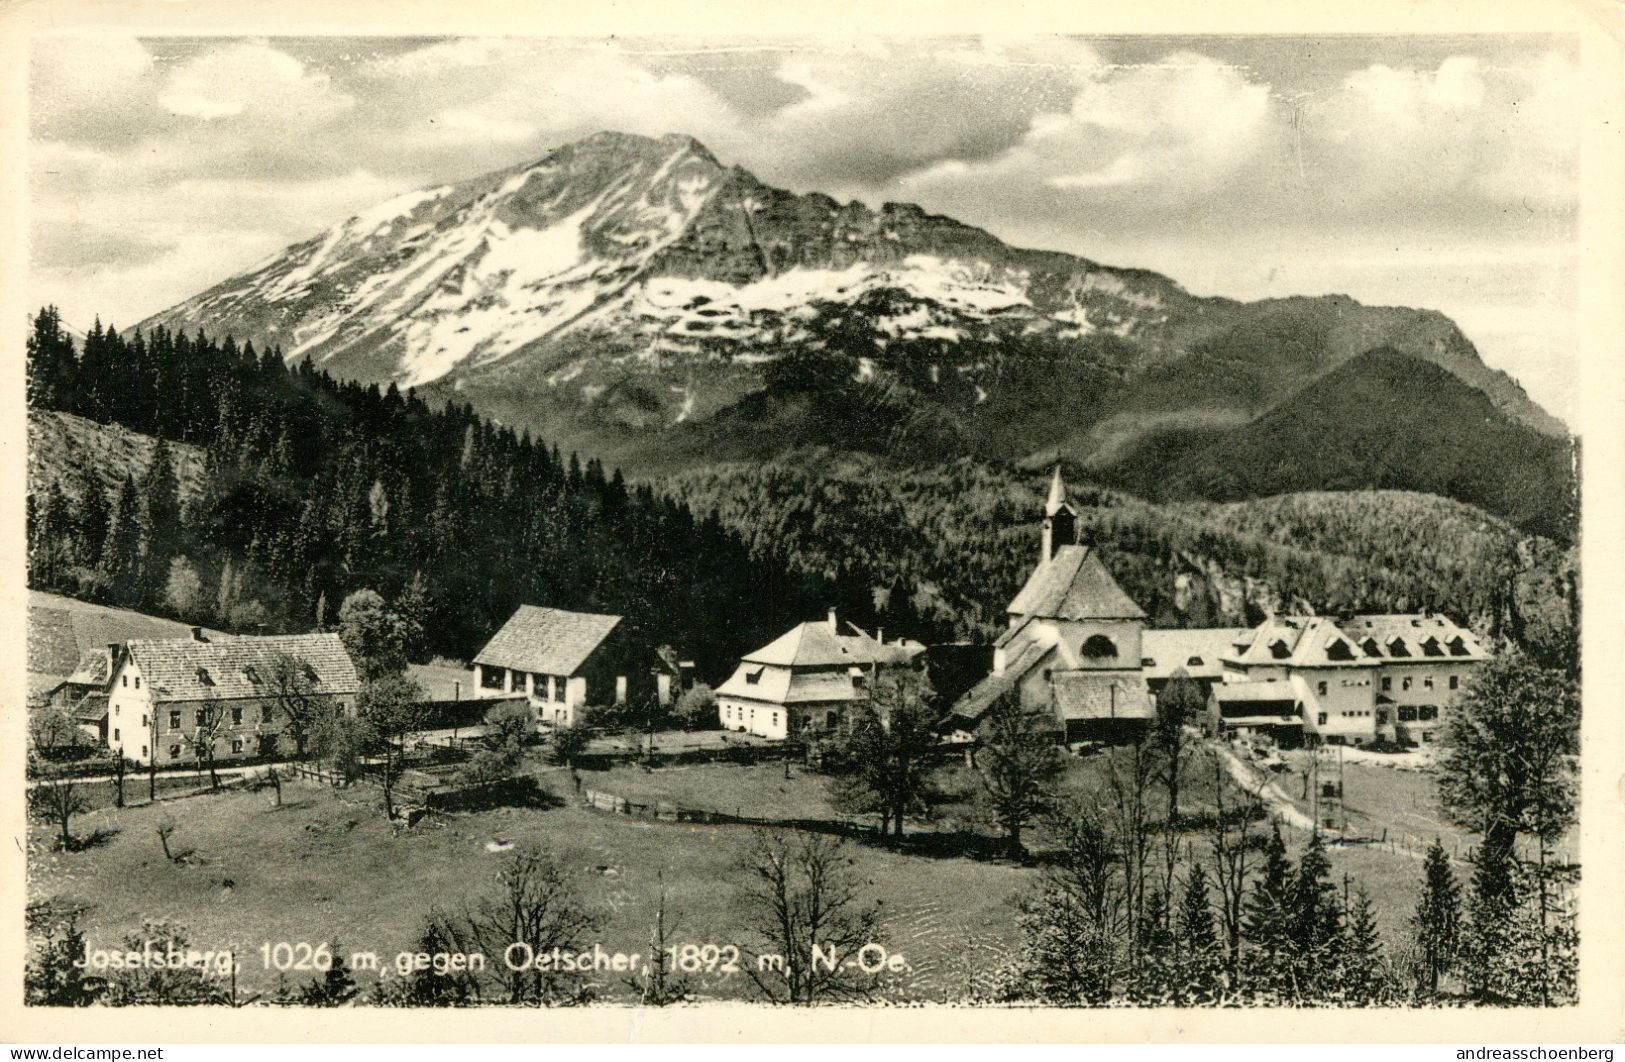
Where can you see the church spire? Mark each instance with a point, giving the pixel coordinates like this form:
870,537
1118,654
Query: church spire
1060,519
1057,494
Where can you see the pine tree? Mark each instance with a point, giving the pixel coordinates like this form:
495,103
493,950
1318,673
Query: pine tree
93,515
1267,925
1362,978
121,560
161,516
1194,926
1436,922
1316,927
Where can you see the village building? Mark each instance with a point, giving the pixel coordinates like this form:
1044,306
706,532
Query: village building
1074,644
1362,678
165,695
1076,647
564,662
804,682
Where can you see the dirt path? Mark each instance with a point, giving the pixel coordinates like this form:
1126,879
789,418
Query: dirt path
1279,804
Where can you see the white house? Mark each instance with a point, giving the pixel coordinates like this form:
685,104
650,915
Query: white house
163,693
563,661
803,682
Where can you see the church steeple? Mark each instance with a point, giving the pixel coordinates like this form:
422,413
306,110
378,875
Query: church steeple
1060,519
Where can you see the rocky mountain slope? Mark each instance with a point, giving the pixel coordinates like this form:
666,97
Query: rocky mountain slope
637,299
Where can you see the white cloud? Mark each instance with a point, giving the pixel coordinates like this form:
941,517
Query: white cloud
251,78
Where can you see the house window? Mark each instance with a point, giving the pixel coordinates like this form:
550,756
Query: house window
138,682
124,681
558,688
753,676
143,752
265,713
143,722
775,718
311,674
202,718
1382,716
1387,684
1455,681
490,677
1427,683
1427,713
204,678
174,752
1320,688
174,720
115,733
236,717
236,744
1321,718
1407,714
1405,683
251,675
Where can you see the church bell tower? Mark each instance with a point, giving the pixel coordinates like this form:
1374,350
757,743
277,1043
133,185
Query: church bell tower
1060,519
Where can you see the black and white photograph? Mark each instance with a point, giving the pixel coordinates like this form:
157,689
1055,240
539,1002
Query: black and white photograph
1057,521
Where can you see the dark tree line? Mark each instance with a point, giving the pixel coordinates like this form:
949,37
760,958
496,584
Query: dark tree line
313,488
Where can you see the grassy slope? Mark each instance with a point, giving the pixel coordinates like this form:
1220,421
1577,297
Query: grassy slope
327,867
56,441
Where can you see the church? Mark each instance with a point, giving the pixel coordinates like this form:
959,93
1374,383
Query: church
1077,648
1074,644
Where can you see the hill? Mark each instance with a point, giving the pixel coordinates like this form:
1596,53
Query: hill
946,547
311,489
639,300
1379,421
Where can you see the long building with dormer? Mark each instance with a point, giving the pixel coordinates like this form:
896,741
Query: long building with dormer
1076,646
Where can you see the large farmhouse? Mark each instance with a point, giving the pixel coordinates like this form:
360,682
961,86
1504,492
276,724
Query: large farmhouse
166,695
563,661
1077,648
804,681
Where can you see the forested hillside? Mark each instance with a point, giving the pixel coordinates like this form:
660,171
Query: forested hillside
1381,420
952,543
310,489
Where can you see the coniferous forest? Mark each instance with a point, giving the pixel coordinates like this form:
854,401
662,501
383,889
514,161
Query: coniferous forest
313,488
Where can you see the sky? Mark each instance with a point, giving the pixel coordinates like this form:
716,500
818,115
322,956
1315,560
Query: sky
1425,171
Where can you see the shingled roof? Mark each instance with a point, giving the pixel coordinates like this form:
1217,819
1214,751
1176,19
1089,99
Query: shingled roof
231,667
547,641
1092,695
1074,585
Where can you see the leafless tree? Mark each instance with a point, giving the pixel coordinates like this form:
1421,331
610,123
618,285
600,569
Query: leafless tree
656,983
1129,775
805,900
296,700
533,909
1019,765
58,802
1232,845
208,723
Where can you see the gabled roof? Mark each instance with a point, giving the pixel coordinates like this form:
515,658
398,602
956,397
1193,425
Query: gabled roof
1074,585
816,644
93,670
547,641
225,667
1315,641
1091,695
1199,651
